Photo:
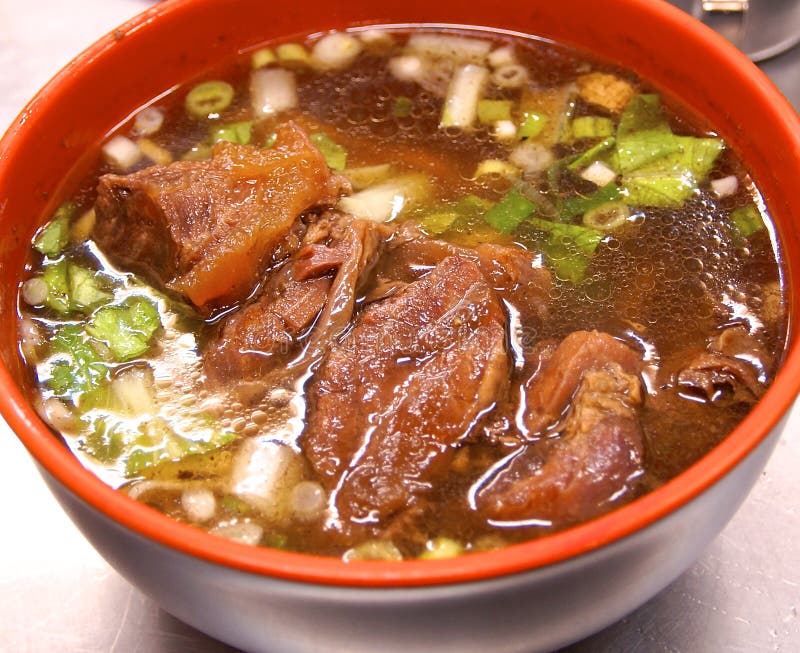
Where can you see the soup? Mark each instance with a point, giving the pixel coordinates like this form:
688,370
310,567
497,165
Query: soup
403,294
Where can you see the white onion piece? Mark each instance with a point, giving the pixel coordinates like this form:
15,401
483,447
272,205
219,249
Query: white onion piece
503,56
510,76
407,68
58,415
34,291
245,532
726,186
148,121
335,51
386,201
198,503
599,173
373,550
376,38
308,500
272,91
531,157
263,475
134,391
447,46
504,130
122,152
463,94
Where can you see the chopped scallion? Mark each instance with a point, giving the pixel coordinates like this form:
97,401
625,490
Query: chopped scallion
579,205
52,239
237,132
509,212
292,53
335,155
569,248
607,217
592,127
263,57
438,223
491,111
532,125
209,98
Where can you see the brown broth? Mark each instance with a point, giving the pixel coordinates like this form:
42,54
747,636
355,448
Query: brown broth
666,283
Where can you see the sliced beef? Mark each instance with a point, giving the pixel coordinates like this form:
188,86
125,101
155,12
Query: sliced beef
316,286
589,470
207,229
558,374
517,275
408,383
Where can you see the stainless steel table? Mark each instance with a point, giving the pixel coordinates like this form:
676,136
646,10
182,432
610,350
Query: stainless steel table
58,596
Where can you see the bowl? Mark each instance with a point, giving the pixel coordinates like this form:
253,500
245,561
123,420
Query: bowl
528,597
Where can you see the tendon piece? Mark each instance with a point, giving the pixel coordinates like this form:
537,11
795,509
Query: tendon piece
733,368
590,469
549,391
393,399
208,229
315,288
357,243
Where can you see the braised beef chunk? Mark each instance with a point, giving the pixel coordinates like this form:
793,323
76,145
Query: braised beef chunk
256,338
549,391
406,384
733,367
357,243
207,229
589,470
518,275
317,285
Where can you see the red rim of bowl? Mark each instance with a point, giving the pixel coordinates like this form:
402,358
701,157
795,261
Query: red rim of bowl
58,462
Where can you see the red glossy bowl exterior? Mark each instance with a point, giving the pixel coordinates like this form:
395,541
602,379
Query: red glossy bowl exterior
56,137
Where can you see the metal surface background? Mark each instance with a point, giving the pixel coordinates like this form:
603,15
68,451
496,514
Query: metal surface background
58,596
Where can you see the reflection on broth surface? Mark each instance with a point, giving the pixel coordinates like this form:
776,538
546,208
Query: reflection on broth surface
392,294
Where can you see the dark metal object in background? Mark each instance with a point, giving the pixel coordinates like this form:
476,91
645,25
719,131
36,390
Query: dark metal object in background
759,28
